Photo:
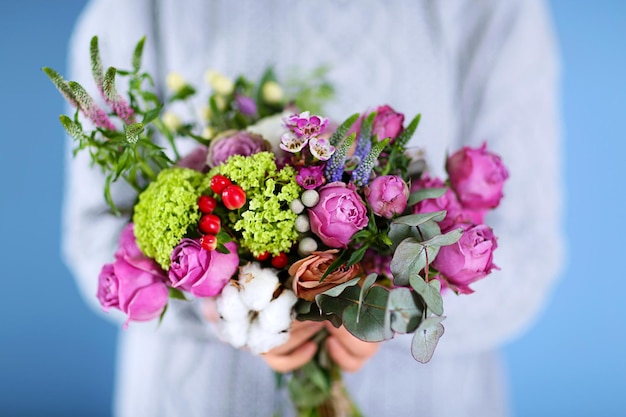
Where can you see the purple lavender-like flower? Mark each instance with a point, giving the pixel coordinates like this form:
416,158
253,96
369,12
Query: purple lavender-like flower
90,108
311,177
246,105
305,125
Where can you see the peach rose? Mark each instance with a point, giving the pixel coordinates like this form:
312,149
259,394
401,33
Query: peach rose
307,272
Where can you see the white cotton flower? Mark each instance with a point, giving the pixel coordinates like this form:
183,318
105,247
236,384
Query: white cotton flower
261,341
277,316
229,304
257,286
233,332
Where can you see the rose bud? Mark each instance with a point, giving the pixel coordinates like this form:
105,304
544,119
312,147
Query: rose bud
469,259
387,195
338,215
477,176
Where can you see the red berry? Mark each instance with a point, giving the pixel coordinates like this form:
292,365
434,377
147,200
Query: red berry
280,261
233,197
206,203
263,257
219,183
210,223
208,242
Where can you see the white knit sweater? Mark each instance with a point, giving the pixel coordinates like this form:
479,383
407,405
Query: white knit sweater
476,70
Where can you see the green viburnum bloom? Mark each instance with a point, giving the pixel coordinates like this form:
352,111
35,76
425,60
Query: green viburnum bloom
166,210
267,223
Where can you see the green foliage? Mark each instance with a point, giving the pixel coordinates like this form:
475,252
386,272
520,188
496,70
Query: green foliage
175,191
266,223
425,339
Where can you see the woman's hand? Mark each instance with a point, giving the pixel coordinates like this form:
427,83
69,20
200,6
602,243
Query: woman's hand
298,350
346,350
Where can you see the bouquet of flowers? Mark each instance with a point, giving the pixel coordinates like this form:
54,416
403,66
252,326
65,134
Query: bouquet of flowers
281,215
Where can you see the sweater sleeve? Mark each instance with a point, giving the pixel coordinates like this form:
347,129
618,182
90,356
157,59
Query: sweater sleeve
508,72
90,230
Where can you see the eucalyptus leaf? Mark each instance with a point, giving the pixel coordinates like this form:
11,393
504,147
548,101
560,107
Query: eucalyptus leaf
367,283
367,320
430,292
425,194
408,260
418,219
446,239
405,308
426,338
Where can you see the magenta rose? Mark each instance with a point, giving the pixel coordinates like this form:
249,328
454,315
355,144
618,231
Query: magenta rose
338,215
200,272
469,259
196,160
387,123
133,283
455,213
477,176
235,143
387,195
140,294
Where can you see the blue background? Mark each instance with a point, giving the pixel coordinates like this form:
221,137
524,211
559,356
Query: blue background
57,357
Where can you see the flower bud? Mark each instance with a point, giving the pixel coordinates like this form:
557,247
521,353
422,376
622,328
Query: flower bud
172,121
175,81
272,92
302,223
219,82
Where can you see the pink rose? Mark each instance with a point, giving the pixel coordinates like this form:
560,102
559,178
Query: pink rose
477,176
133,283
203,273
338,215
235,143
469,259
455,213
387,195
196,160
387,123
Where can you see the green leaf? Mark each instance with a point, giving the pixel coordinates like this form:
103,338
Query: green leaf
405,309
137,54
123,162
446,239
418,219
133,132
339,260
368,319
183,94
430,292
176,294
107,194
357,255
425,194
408,260
367,283
151,115
425,339
343,128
